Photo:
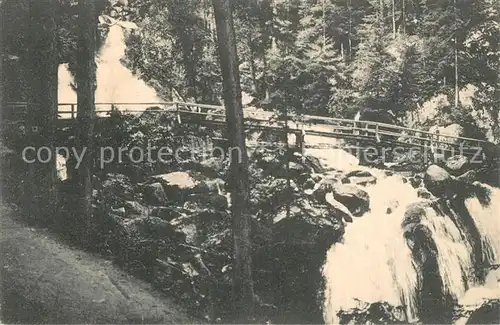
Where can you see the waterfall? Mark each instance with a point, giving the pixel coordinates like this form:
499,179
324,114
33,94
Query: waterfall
115,83
488,222
373,263
376,262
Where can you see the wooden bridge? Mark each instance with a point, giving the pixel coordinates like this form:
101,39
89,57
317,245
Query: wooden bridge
259,120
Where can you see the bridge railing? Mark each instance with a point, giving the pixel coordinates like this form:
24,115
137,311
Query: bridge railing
308,123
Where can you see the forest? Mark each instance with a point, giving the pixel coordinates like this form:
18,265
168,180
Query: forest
326,58
280,236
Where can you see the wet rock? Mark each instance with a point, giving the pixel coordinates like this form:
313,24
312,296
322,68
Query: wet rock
438,181
186,226
354,198
373,313
457,165
182,180
313,163
363,181
307,227
165,213
317,178
325,186
338,208
116,189
487,313
467,178
309,184
297,169
154,194
135,208
177,185
214,200
153,227
359,173
424,194
210,186
415,182
211,167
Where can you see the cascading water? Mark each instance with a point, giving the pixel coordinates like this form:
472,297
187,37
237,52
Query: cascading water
376,262
373,263
115,83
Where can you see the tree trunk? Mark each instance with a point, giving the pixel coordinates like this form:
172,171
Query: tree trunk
42,62
394,18
264,76
253,68
404,17
457,90
350,28
238,181
86,85
324,24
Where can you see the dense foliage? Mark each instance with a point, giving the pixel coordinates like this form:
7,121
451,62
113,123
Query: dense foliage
327,57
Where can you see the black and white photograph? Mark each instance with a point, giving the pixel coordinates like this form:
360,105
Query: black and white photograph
250,162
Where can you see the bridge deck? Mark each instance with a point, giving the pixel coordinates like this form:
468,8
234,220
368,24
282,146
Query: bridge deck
258,120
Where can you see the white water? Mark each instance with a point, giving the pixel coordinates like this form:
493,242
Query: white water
115,83
375,264
487,220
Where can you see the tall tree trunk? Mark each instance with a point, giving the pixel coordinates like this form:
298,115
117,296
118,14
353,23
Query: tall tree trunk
238,181
350,28
42,62
457,90
265,67
86,85
266,27
324,23
404,16
394,18
253,68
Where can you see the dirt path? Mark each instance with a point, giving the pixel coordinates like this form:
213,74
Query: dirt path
44,281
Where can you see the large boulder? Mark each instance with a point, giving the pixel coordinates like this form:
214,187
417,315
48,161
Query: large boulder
325,186
307,225
212,167
134,208
338,208
359,177
438,181
353,197
154,194
312,163
457,165
165,213
116,189
153,227
373,313
177,185
467,178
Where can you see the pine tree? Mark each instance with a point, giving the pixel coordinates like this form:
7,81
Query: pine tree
86,85
239,182
42,61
